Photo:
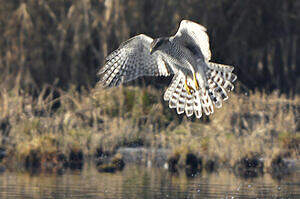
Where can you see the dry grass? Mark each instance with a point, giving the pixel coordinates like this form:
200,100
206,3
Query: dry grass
133,116
41,44
264,124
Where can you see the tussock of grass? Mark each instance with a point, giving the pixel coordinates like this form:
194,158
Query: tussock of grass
133,116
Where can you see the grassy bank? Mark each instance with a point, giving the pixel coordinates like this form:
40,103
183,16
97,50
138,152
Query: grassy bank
41,44
101,121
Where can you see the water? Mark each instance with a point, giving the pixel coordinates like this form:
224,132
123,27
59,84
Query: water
142,182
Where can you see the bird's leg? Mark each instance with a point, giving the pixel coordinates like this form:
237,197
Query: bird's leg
196,82
187,87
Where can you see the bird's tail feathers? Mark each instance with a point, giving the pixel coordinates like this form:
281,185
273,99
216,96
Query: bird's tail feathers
182,100
172,87
224,71
220,67
197,105
206,102
178,96
220,79
190,103
173,92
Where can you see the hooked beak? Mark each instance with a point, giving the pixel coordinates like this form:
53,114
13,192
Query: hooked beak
151,51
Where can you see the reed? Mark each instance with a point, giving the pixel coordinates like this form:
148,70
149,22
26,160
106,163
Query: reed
51,51
134,116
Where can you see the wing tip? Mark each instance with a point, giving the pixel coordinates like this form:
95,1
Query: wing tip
186,21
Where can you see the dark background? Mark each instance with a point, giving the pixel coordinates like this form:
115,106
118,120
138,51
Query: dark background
64,42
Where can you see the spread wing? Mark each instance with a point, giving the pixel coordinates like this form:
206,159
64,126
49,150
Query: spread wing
194,37
132,60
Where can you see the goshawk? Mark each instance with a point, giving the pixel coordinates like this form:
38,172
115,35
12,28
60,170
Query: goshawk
197,83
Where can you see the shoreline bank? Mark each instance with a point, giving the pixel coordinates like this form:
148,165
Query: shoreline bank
94,124
246,167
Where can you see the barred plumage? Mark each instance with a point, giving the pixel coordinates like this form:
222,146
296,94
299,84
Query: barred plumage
198,85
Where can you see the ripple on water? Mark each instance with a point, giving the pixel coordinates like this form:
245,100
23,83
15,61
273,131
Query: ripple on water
143,182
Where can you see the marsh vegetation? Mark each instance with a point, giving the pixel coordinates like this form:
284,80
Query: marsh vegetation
52,113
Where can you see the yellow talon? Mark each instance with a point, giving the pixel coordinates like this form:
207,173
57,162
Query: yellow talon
196,82
188,88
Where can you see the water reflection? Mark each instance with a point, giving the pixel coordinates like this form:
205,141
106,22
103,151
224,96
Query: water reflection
142,182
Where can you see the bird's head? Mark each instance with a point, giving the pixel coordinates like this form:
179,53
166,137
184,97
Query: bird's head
156,44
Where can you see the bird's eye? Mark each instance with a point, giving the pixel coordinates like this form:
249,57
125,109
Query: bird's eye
159,43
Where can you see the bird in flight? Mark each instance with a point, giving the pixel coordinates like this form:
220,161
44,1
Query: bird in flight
198,84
